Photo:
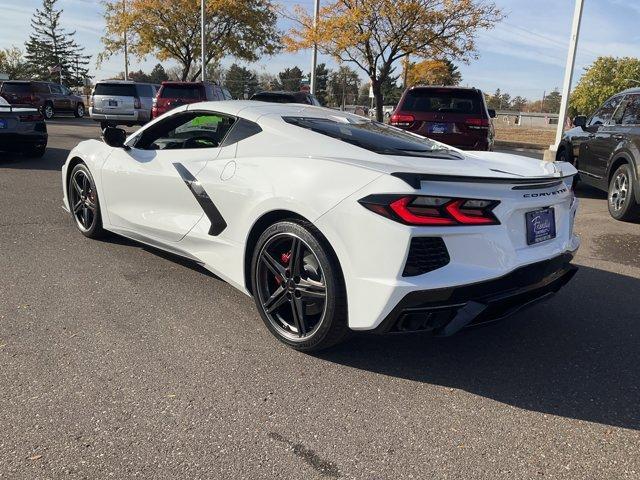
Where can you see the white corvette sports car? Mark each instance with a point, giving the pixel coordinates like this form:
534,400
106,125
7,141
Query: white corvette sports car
330,221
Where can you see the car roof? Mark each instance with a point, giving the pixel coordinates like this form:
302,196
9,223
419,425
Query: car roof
254,109
629,90
442,87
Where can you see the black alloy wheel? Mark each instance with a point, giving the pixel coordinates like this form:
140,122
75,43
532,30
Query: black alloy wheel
298,286
79,111
621,196
48,111
83,202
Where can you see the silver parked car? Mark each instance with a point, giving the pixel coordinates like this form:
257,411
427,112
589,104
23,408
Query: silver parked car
120,102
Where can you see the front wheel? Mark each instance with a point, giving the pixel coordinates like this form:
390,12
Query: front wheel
83,202
621,197
298,286
79,111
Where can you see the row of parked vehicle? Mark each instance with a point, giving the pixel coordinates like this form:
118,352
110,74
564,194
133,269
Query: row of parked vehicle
127,103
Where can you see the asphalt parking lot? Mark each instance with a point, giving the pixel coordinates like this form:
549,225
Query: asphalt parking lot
118,361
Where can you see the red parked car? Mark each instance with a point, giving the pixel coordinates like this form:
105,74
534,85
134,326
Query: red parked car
452,115
174,94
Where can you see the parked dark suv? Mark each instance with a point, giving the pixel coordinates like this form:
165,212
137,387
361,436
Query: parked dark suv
605,148
286,97
456,116
48,97
174,94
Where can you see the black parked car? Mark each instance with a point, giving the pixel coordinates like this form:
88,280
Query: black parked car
286,97
22,130
605,148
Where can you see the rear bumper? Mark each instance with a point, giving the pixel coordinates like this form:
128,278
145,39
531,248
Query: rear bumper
446,311
133,118
18,141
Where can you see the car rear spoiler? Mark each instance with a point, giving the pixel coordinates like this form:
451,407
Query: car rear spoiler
414,180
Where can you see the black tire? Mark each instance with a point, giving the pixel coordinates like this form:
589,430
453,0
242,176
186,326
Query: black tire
79,110
563,156
621,195
36,152
48,111
323,319
79,191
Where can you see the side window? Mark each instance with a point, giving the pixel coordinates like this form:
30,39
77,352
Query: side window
631,114
41,88
605,113
227,94
186,131
210,94
56,89
144,90
241,129
65,90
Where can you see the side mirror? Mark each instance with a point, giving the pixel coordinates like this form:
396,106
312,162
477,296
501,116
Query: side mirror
580,121
492,113
114,137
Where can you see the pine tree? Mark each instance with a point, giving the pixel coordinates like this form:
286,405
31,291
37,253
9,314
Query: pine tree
50,45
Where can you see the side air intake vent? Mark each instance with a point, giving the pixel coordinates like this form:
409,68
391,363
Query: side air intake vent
426,254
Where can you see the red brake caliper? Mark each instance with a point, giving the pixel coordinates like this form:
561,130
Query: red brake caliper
284,258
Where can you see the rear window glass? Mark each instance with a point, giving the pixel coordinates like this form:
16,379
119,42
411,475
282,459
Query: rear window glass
373,136
442,101
180,91
145,90
16,87
115,89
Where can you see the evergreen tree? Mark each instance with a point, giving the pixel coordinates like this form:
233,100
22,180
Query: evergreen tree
291,79
240,81
50,46
322,79
158,74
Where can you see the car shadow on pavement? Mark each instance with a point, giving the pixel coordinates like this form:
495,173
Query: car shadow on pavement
53,159
587,191
576,355
185,262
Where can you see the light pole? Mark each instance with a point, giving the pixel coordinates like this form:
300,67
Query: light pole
314,54
568,75
202,42
126,46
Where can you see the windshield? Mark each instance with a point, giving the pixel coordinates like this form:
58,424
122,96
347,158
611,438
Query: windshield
181,91
115,89
373,136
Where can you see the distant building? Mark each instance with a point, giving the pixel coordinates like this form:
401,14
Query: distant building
527,119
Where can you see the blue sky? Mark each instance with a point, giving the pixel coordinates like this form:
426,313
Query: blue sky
523,55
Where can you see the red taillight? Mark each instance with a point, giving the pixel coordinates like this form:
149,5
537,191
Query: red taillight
136,103
401,119
432,211
31,117
477,123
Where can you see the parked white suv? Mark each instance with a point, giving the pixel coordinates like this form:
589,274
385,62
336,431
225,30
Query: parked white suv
119,102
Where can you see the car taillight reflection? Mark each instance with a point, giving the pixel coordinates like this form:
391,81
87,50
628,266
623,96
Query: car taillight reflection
401,120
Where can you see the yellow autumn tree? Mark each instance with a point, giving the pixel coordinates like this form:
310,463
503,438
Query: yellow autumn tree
432,72
374,34
170,29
